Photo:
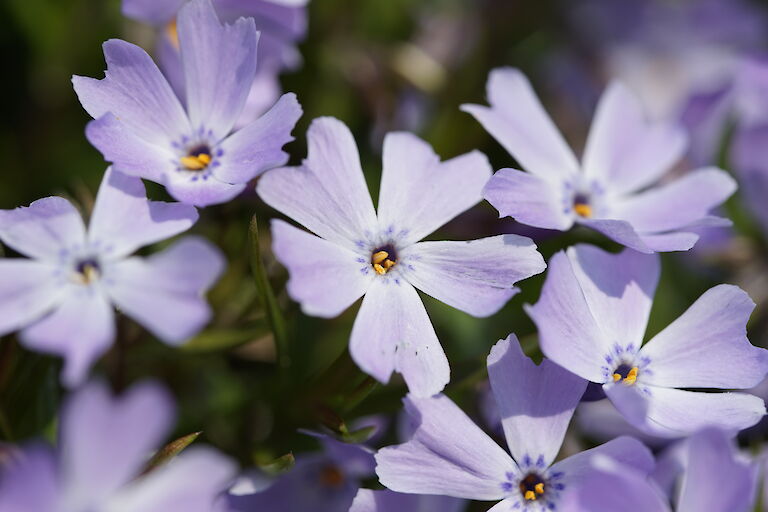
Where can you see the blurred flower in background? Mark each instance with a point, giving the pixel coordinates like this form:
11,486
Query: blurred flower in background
101,460
282,24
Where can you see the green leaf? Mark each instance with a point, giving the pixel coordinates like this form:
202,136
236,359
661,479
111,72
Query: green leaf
279,465
169,451
268,300
212,340
358,436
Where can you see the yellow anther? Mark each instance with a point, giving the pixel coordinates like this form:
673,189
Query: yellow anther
196,162
616,377
530,495
90,273
87,274
379,257
539,488
583,210
388,264
631,376
379,269
172,32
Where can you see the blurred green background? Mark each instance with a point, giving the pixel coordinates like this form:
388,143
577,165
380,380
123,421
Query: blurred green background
376,65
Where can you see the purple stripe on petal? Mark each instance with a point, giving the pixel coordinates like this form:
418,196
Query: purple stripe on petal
707,346
219,64
519,122
535,402
478,276
448,455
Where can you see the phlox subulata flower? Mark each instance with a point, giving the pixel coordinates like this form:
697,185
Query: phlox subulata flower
324,481
104,445
390,501
450,455
717,478
190,147
281,24
359,251
592,316
62,297
611,190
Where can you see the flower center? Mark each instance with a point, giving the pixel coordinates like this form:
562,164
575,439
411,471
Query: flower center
331,476
383,259
625,373
197,158
532,487
581,205
87,271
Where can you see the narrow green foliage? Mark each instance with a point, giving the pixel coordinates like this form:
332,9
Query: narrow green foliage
268,300
279,465
169,451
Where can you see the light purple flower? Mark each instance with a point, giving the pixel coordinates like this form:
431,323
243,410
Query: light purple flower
281,23
325,481
62,296
599,420
104,444
449,455
717,479
144,129
359,251
612,486
390,501
750,158
592,316
607,191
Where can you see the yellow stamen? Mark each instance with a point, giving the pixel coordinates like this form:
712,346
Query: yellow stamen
388,264
379,269
196,162
530,495
87,274
539,488
631,377
379,257
583,210
172,32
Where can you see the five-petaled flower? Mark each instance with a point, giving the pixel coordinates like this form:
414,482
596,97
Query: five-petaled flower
716,478
592,316
142,127
324,481
103,448
624,155
449,455
281,23
361,252
62,297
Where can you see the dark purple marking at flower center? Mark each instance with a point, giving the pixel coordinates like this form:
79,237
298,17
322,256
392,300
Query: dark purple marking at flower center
198,157
625,373
87,270
581,205
532,487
